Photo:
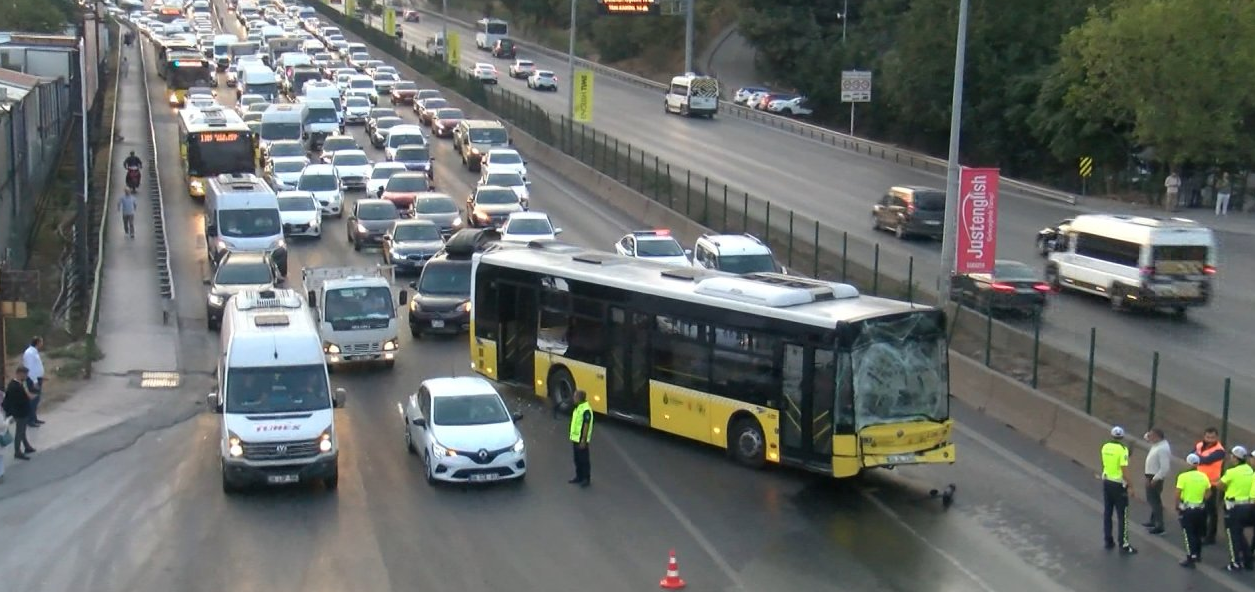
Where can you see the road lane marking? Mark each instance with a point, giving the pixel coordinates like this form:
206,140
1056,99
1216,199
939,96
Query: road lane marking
883,507
682,519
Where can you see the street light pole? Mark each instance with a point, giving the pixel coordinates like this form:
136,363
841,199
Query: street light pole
688,36
444,29
570,62
845,16
948,238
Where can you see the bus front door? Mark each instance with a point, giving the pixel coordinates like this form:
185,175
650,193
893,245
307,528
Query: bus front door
627,379
809,386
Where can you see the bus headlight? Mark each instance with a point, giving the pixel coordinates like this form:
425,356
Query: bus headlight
174,99
197,186
234,447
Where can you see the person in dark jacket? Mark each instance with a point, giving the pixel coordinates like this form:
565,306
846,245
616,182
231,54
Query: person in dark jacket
17,404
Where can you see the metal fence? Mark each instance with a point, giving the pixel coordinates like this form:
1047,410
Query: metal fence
32,133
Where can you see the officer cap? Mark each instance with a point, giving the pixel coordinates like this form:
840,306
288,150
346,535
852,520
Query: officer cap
1117,432
1193,459
1239,451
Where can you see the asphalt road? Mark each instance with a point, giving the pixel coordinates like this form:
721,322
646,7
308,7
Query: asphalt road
838,188
139,508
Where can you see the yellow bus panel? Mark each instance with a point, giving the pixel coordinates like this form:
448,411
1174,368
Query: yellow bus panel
705,418
589,378
484,356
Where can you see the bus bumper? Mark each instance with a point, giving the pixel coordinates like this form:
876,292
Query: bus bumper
943,454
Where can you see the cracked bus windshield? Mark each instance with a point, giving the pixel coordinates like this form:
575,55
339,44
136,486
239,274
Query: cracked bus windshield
899,369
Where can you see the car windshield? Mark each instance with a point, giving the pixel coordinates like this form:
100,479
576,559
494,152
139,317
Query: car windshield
358,304
488,136
496,197
468,410
408,184
251,223
504,179
405,85
382,172
388,122
504,158
525,63
658,248
243,274
449,114
289,166
1010,270
350,159
333,144
435,205
377,211
529,226
297,204
899,370
747,263
317,182
403,138
362,83
259,107
416,232
285,149
357,102
276,389
434,103
544,74
446,278
412,154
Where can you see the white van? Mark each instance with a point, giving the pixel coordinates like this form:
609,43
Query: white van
242,214
256,79
1136,261
222,50
278,420
691,95
283,122
403,135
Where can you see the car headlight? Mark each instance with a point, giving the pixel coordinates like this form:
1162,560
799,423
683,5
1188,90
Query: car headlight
414,305
216,299
457,221
518,446
197,186
174,98
324,442
278,244
465,307
390,345
331,348
439,450
482,215
234,446
475,151
223,245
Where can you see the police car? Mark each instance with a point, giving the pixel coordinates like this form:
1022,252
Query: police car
653,245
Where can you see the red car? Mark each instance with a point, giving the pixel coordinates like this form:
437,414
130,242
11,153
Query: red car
411,16
403,188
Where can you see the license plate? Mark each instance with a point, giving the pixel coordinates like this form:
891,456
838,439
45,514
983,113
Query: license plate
932,222
899,459
484,477
437,324
282,479
1025,290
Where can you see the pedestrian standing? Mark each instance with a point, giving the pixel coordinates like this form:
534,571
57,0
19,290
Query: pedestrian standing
1172,188
1158,463
127,205
17,404
581,433
1236,485
1115,490
1193,489
1211,455
1224,188
35,364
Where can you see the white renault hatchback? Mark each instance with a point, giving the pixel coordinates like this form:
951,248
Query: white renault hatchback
462,430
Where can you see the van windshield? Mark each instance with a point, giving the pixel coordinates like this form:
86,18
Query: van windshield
446,278
277,389
357,307
251,223
487,136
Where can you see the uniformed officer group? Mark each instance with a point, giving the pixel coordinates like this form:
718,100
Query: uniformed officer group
1199,493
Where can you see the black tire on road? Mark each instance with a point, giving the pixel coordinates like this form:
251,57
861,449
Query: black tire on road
747,444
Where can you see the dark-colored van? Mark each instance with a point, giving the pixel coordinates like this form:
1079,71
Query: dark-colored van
503,48
911,211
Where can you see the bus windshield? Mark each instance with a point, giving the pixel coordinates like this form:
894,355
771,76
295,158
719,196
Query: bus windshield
217,153
185,77
899,369
277,389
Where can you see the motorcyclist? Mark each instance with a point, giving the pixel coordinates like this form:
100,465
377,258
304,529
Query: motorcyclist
133,162
133,165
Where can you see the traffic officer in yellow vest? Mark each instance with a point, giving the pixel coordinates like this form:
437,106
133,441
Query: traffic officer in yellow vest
1236,485
1193,489
1116,490
581,433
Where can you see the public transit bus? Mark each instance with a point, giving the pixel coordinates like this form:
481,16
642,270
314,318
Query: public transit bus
214,142
488,31
183,70
168,13
775,369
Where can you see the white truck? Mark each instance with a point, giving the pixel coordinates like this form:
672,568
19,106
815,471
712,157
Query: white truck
355,312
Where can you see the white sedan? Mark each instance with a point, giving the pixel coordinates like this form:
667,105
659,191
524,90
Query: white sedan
462,430
300,214
504,160
653,245
794,106
523,227
509,179
380,174
543,80
484,72
352,167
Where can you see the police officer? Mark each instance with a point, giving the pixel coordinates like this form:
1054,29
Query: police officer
581,433
1193,489
1115,490
1236,485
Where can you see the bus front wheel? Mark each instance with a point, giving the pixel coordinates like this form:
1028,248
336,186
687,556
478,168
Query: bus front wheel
561,389
747,444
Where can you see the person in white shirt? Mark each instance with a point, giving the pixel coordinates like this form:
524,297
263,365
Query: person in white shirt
33,362
1158,464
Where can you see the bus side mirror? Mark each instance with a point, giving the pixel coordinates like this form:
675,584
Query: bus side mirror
311,298
403,298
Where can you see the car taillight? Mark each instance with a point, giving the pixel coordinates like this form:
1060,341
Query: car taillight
1043,288
1001,287
910,208
1209,269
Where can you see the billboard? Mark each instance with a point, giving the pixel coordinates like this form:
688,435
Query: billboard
582,107
633,7
975,250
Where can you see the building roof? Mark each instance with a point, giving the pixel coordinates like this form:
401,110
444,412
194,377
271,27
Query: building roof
16,84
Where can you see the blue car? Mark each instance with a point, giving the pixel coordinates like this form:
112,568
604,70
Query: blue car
415,158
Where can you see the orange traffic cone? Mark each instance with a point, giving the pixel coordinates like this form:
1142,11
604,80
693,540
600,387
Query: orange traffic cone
672,580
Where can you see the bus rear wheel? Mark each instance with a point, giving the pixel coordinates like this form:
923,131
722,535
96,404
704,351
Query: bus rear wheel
747,443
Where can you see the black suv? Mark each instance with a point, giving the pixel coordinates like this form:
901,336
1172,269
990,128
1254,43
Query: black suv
442,294
503,48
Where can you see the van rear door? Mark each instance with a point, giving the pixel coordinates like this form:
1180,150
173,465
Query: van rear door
1179,270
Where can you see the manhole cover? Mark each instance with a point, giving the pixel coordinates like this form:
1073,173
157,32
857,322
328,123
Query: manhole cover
159,380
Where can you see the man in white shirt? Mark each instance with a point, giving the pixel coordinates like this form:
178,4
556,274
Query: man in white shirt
1158,464
33,362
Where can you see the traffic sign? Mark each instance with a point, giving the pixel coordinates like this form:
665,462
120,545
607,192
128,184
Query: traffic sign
1086,166
856,86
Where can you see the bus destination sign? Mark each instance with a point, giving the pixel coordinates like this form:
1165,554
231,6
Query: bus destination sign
641,7
214,137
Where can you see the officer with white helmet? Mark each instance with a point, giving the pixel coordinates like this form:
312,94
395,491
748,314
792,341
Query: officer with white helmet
1116,489
1193,489
1236,484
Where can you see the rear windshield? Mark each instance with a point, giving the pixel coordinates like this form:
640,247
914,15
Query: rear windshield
435,205
408,184
1181,253
377,211
412,153
930,202
1014,271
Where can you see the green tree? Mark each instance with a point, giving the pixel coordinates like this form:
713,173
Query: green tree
1175,73
35,16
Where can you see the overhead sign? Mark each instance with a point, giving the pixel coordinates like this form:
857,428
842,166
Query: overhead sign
856,86
453,48
978,221
582,106
629,7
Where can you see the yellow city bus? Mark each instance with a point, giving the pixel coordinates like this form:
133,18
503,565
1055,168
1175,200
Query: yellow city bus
775,369
214,142
184,70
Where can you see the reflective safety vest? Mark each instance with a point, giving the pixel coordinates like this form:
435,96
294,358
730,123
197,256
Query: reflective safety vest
1212,470
577,421
1237,481
1115,456
1193,486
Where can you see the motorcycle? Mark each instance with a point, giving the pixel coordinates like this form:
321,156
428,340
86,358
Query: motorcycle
132,179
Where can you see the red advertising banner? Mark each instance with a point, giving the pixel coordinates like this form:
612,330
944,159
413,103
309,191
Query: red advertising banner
978,221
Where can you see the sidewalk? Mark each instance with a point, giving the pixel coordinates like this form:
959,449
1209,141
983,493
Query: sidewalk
130,331
1236,222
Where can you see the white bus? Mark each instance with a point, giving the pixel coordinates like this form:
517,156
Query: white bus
488,31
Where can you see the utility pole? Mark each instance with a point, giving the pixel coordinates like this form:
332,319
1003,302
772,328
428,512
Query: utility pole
570,62
845,17
948,238
444,30
688,35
